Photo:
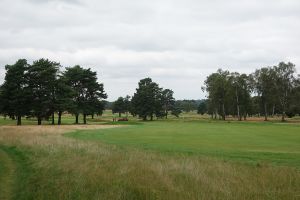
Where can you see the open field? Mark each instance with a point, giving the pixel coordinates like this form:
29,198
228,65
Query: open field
183,158
249,142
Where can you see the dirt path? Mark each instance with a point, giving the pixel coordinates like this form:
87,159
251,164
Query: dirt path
7,175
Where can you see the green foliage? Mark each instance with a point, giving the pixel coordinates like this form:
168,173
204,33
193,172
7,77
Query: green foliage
63,97
168,102
39,90
176,111
121,105
88,93
284,84
217,86
240,90
150,100
187,105
202,108
41,79
14,94
294,103
264,85
147,101
268,90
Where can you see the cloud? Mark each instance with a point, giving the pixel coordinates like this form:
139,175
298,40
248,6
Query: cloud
177,43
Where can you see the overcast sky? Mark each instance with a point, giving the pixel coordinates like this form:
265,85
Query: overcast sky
175,42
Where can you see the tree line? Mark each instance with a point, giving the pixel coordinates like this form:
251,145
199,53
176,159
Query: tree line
186,105
267,91
42,89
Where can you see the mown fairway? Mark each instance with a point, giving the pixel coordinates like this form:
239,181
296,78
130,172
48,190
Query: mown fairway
176,159
249,142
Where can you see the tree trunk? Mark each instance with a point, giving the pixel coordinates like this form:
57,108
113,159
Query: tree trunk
223,107
39,121
151,117
19,120
245,116
59,118
237,105
53,119
119,114
84,118
282,117
266,112
273,110
166,114
238,113
144,118
77,116
240,118
92,116
283,114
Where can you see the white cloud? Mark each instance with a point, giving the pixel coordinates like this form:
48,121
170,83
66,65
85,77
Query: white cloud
176,42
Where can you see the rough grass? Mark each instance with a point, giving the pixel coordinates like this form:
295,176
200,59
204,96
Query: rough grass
58,167
7,173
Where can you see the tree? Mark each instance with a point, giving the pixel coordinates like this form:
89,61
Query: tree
284,84
88,93
294,103
1,100
217,86
176,111
119,106
264,85
147,99
187,105
14,96
241,90
127,104
94,95
168,101
99,106
41,78
202,108
63,97
211,108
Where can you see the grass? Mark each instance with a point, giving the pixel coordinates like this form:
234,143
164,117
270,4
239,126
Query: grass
15,174
107,118
251,142
67,119
7,170
175,159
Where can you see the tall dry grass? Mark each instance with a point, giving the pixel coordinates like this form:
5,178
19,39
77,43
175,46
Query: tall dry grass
65,168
